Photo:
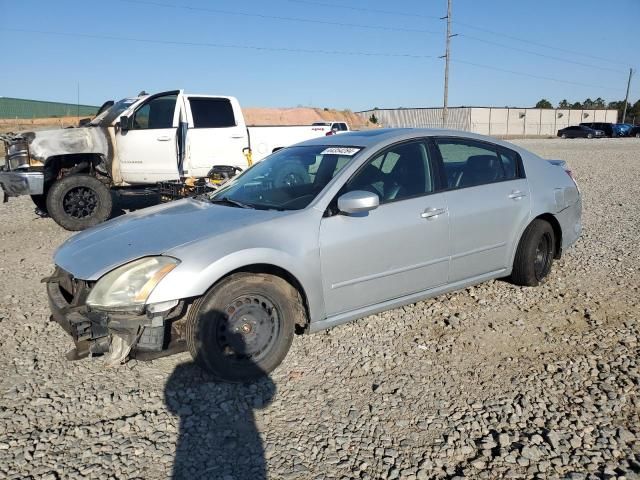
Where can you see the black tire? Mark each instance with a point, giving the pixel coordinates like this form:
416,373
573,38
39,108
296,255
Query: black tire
243,327
638,135
534,255
564,135
589,135
80,201
40,201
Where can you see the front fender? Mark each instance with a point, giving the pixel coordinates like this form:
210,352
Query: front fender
188,280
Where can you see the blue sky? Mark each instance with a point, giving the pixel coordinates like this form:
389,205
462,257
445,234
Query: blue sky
112,63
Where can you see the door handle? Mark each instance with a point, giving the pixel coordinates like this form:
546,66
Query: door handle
237,136
164,138
517,195
433,213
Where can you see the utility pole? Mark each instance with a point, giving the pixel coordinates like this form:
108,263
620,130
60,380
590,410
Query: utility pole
446,56
626,98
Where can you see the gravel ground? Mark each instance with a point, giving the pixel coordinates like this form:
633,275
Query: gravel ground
495,381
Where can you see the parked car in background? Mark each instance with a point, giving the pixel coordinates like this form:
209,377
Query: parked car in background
635,131
623,129
373,220
608,128
580,131
334,127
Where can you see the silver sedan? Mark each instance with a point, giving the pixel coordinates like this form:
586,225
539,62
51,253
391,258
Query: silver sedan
315,235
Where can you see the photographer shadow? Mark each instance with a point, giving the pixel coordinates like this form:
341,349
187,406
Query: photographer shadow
218,437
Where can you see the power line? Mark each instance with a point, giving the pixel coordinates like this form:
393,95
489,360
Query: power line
538,44
523,74
467,25
360,9
279,17
218,45
529,52
289,50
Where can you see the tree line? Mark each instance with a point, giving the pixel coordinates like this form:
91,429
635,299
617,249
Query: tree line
633,110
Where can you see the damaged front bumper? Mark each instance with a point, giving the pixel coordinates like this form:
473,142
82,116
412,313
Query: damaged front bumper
15,183
117,335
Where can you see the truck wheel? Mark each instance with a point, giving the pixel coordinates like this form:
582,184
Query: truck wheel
77,202
243,327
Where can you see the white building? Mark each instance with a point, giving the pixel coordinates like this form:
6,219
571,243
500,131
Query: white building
501,122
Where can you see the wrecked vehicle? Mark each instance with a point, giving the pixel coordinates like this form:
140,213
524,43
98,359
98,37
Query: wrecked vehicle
130,147
374,220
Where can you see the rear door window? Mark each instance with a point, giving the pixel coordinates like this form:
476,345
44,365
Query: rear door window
212,112
468,163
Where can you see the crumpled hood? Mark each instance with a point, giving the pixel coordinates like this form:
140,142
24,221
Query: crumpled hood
152,231
63,141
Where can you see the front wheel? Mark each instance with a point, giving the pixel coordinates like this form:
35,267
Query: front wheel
77,202
243,327
590,135
564,135
534,255
638,135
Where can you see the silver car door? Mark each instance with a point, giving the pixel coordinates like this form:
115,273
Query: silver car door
488,200
397,249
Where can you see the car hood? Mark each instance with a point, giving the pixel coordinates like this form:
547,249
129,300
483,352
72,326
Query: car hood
153,231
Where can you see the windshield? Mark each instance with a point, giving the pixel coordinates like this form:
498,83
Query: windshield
110,114
286,180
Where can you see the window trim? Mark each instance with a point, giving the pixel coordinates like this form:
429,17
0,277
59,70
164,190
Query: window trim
150,99
497,149
193,119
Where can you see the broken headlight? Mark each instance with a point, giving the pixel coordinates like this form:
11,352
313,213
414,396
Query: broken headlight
127,287
17,154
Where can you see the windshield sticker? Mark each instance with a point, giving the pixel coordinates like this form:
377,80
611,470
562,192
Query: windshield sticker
350,151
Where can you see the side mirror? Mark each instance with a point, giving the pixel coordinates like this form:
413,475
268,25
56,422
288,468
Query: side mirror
358,201
124,123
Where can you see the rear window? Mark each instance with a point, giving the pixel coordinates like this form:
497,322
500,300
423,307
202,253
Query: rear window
212,112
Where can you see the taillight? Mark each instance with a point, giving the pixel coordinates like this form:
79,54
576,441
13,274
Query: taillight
570,173
329,133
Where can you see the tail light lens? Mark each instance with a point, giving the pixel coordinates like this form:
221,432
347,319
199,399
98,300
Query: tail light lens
570,173
329,133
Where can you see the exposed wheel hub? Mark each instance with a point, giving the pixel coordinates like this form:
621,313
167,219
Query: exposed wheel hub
249,328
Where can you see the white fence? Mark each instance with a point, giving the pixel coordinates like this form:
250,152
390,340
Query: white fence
500,122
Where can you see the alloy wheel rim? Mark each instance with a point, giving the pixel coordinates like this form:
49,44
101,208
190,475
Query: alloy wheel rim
80,202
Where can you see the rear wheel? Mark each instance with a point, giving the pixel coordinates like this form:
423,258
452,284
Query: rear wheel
77,202
243,328
638,135
534,255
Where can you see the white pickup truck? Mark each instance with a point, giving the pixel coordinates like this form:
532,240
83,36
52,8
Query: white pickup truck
132,146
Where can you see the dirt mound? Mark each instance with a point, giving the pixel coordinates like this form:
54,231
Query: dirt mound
301,116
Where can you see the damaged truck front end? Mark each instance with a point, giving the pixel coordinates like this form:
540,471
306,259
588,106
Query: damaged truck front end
21,174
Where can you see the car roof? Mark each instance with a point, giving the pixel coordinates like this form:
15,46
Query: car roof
384,136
